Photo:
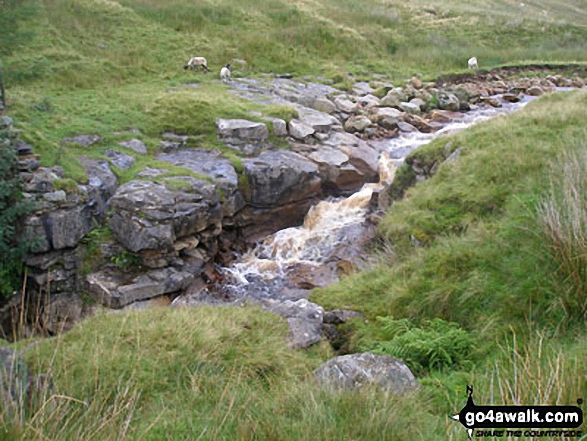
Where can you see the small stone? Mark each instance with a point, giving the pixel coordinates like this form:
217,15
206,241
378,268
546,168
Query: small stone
416,82
55,196
357,123
119,159
414,109
300,130
511,97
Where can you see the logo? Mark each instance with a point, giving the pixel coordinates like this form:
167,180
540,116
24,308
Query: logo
497,421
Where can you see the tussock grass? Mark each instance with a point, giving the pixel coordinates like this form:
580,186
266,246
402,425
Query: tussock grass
213,373
563,218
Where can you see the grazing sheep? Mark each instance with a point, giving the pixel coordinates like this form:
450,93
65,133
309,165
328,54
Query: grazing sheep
225,73
195,62
473,63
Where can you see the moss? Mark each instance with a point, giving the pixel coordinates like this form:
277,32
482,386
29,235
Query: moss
66,184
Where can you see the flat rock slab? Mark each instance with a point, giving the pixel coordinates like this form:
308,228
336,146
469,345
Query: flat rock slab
218,169
205,162
114,289
83,140
240,131
319,121
136,145
358,370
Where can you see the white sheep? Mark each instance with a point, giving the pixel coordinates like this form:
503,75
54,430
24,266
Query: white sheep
225,73
473,63
195,62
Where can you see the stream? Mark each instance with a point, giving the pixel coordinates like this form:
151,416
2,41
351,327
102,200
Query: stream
287,264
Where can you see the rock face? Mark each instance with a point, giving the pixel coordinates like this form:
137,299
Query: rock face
357,370
279,177
176,226
18,387
149,216
280,185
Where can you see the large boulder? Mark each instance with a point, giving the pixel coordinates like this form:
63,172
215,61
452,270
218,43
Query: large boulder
246,136
361,155
448,101
388,117
357,370
101,186
337,174
150,216
278,177
60,229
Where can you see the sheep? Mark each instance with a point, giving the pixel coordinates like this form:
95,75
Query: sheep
473,63
225,73
195,62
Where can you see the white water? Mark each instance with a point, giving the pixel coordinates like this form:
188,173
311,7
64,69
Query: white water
313,242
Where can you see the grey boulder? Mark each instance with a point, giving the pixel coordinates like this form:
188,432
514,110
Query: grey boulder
358,370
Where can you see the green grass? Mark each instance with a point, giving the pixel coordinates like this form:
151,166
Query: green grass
218,373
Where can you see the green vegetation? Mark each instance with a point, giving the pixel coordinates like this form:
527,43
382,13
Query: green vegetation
482,302
214,373
437,345
13,248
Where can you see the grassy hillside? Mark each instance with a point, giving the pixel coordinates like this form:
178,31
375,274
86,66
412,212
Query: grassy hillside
87,66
